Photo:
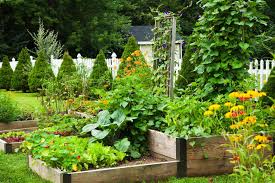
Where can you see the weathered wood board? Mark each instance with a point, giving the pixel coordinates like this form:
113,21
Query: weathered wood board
132,173
18,125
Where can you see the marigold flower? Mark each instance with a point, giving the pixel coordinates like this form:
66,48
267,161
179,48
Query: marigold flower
235,126
236,138
244,96
137,62
235,159
208,113
214,107
228,104
261,139
129,59
260,146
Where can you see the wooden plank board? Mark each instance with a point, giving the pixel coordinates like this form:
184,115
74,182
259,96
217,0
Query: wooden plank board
135,173
47,173
207,148
18,125
162,144
208,167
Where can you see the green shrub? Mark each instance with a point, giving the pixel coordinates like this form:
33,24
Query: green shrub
187,74
101,77
42,71
130,47
269,88
8,109
21,74
6,74
67,68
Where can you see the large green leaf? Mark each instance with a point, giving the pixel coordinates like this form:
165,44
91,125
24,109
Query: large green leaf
104,117
118,116
89,127
100,134
122,145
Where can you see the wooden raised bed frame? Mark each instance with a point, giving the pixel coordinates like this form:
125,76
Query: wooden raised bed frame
9,147
18,125
206,157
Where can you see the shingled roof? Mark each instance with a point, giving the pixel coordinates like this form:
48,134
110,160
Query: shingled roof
145,33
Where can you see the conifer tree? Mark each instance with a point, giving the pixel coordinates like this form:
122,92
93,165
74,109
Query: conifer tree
6,74
101,76
269,88
41,72
67,68
130,47
21,74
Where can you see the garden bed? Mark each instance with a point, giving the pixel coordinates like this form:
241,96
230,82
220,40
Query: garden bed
206,157
198,156
136,172
18,125
7,147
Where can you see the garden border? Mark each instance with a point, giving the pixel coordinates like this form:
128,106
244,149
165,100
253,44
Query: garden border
18,125
8,147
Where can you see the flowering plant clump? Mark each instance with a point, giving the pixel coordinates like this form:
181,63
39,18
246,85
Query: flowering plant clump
250,144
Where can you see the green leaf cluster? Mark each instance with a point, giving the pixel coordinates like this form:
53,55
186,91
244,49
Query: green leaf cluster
222,43
41,72
6,73
21,73
8,109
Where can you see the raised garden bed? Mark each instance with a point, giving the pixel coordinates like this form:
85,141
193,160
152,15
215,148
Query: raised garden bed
18,125
149,171
198,156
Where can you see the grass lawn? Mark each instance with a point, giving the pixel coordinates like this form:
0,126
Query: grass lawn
13,169
27,101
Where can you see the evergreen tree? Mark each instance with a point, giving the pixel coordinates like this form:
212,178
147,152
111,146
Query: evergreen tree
21,74
269,88
6,74
130,47
67,67
187,74
41,71
101,77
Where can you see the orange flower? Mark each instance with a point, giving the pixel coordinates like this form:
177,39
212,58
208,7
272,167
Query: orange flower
105,102
137,62
129,59
137,53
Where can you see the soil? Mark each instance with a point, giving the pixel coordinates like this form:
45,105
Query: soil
142,160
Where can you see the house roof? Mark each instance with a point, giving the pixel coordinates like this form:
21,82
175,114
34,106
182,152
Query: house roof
144,33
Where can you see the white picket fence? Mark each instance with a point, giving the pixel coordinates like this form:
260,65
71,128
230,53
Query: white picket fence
259,68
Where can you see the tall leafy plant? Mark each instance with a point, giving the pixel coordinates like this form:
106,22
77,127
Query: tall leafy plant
41,72
47,40
21,74
222,42
6,74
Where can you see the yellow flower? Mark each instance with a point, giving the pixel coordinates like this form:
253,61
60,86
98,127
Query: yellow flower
235,138
234,95
250,146
74,167
260,146
228,115
250,119
235,126
137,53
262,94
214,107
261,139
208,113
228,104
237,108
129,59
